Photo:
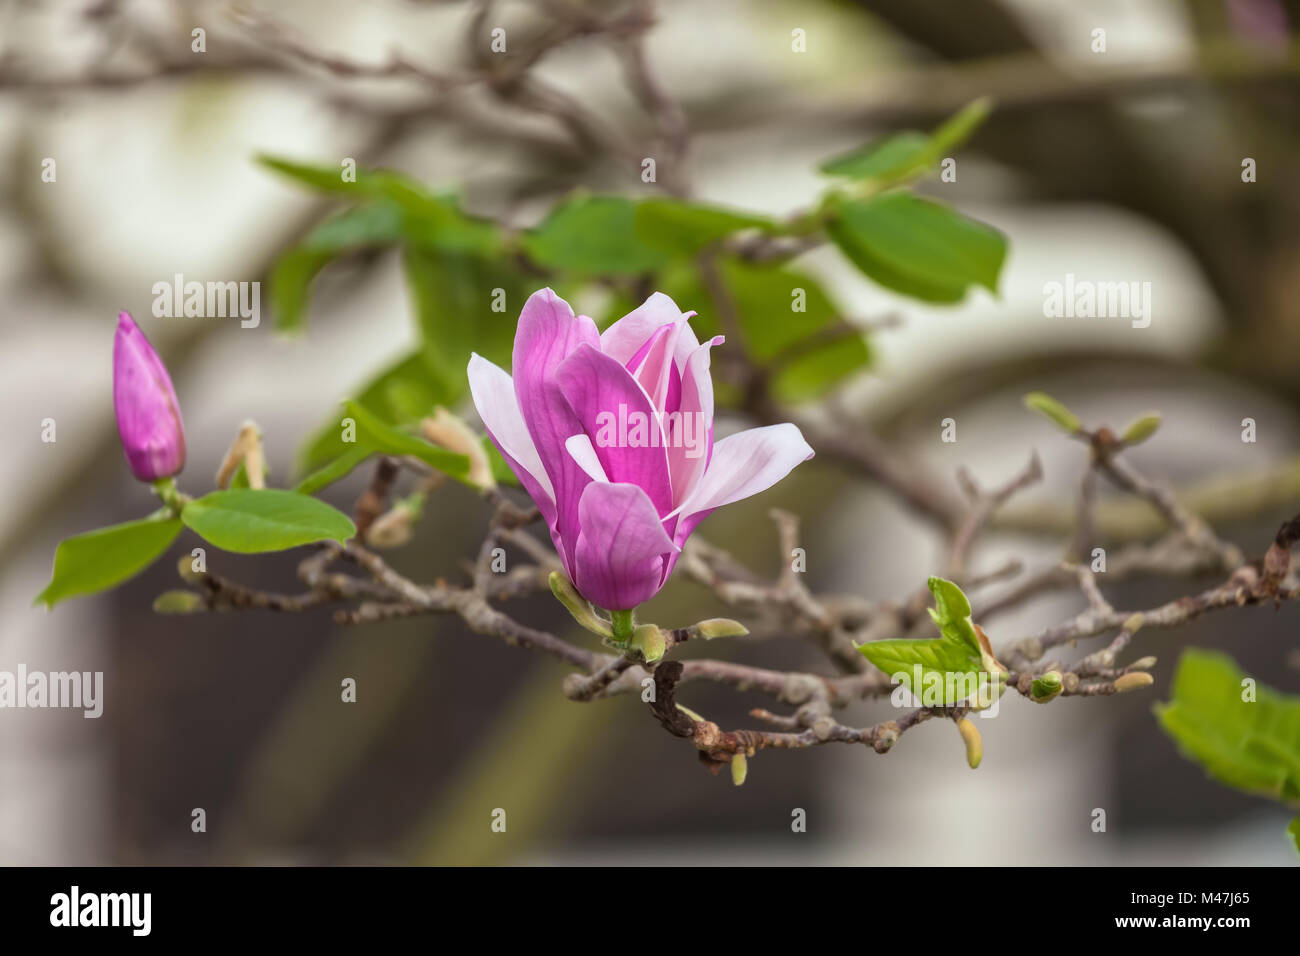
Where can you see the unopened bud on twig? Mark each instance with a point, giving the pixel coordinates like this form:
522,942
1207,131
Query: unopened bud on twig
1143,664
1133,681
451,433
1046,687
720,627
650,642
739,769
1140,429
245,450
1044,404
179,602
974,746
185,566
393,528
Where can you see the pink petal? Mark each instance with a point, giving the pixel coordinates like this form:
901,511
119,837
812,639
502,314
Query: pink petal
686,464
493,392
548,333
625,337
596,385
743,465
655,369
619,560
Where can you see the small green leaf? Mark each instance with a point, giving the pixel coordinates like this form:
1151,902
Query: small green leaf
918,247
375,435
1248,744
336,470
404,392
100,559
1044,404
787,319
948,669
958,128
593,235
903,155
1140,429
951,613
927,666
245,521
682,228
891,159
454,298
1293,831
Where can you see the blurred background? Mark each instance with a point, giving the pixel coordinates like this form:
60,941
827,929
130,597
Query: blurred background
1115,166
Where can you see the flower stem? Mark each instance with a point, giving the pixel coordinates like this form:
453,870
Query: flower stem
624,623
165,488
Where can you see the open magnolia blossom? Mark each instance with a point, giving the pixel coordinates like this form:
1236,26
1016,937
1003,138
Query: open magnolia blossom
620,499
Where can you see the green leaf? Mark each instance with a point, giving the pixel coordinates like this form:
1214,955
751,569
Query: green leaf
337,470
374,435
391,209
786,319
404,392
682,228
958,128
100,559
245,521
897,158
951,612
918,247
943,670
453,296
1293,831
593,235
291,278
424,217
890,159
941,656
1250,745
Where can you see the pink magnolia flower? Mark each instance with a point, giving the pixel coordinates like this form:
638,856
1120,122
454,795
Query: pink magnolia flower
612,436
148,415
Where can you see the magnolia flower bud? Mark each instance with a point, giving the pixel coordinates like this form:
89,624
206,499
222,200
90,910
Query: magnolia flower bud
148,415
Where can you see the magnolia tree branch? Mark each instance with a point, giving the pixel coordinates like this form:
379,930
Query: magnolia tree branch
835,623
